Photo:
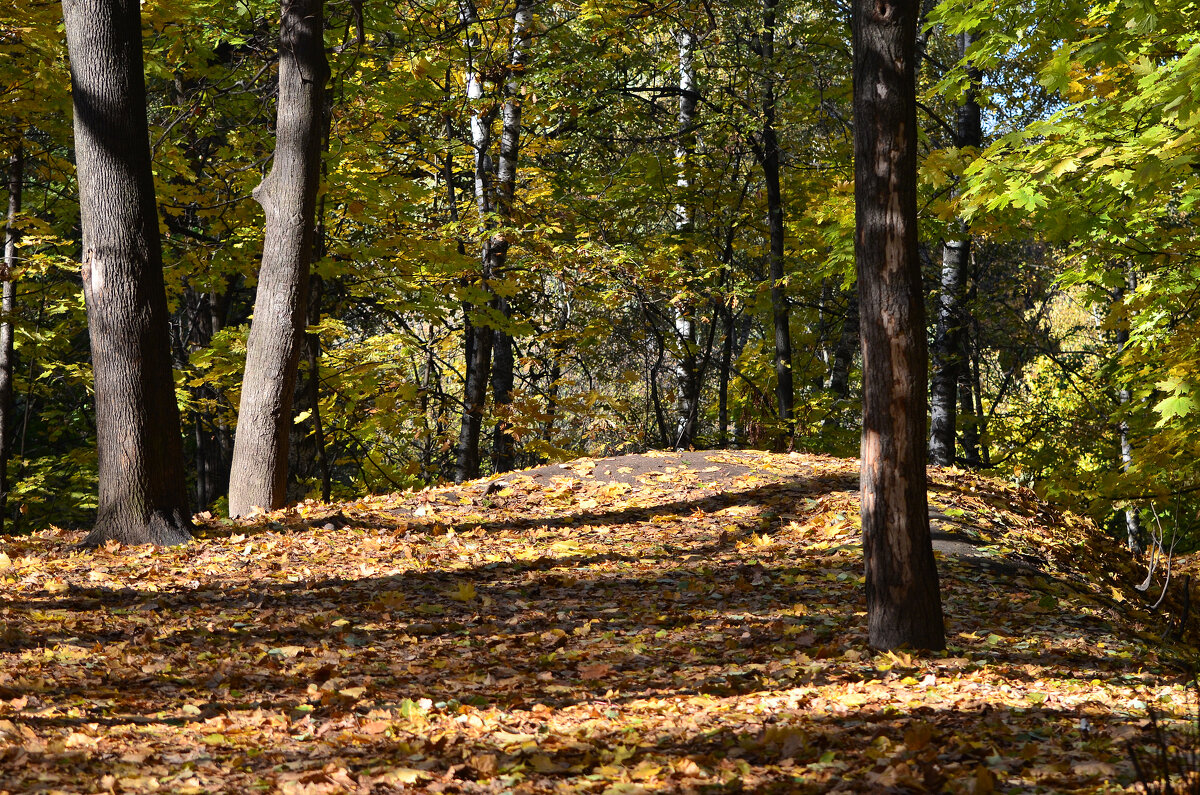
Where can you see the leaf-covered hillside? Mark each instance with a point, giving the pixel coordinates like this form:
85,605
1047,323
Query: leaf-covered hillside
664,623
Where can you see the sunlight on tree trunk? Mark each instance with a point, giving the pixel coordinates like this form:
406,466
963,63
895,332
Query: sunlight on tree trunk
903,601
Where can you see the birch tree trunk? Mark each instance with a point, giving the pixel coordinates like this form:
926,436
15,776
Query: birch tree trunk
143,494
950,341
494,201
784,386
685,366
16,164
477,338
503,445
288,195
903,601
1133,526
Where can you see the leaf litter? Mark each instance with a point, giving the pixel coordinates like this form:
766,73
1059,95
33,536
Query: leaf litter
657,623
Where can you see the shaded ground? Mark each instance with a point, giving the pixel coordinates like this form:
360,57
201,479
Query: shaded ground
694,624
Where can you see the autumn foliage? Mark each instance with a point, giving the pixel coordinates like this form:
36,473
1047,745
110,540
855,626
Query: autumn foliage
671,622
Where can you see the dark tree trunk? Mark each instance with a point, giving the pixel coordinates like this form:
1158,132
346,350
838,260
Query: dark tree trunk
723,377
308,437
903,601
784,386
16,165
843,352
949,346
478,358
143,492
212,438
503,445
288,196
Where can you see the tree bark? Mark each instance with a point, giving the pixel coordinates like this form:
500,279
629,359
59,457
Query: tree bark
477,338
903,602
784,386
494,201
288,196
143,492
503,444
949,347
1133,526
16,164
685,367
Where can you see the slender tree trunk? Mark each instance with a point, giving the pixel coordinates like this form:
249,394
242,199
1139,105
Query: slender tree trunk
966,405
503,444
8,303
784,387
288,195
477,341
949,357
1133,527
841,362
903,601
843,353
687,380
723,377
143,492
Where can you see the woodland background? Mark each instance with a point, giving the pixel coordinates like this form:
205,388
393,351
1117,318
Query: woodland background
1078,309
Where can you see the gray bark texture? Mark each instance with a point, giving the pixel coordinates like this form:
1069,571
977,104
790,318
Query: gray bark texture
16,165
288,195
950,340
903,600
143,494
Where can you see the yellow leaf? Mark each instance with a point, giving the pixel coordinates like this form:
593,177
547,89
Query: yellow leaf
1117,595
465,592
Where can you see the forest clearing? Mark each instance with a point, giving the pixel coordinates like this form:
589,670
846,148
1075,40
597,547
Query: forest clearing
657,623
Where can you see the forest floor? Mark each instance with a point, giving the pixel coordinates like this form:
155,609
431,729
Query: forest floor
662,623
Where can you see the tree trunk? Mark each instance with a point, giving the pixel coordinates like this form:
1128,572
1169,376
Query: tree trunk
477,339
843,353
143,492
687,381
903,602
503,444
1133,527
950,360
16,165
288,196
784,386
723,376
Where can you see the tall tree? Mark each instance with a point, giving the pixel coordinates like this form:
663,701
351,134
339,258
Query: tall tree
950,340
903,601
769,155
503,444
478,337
143,495
687,373
288,195
495,189
8,304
